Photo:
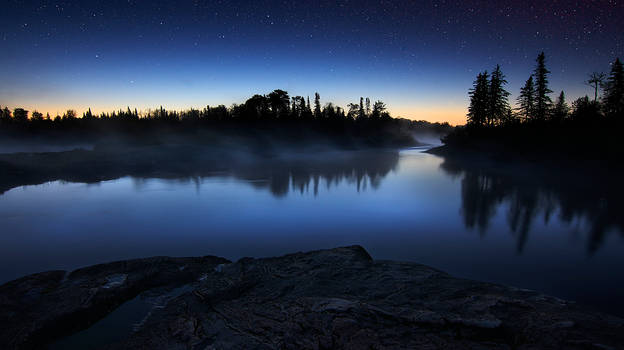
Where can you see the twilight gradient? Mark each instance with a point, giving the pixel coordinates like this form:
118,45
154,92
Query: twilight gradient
420,57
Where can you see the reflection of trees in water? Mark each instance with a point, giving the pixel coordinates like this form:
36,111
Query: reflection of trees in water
360,169
531,193
303,174
281,173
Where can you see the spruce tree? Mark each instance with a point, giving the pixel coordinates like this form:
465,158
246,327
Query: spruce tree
361,113
317,105
478,109
561,109
614,91
498,103
526,100
542,100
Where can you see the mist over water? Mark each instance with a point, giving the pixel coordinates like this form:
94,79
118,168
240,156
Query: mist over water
405,205
35,146
429,138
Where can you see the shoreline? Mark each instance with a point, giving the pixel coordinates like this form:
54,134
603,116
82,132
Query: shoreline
536,161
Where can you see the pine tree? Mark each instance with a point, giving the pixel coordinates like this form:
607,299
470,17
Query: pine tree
88,114
614,90
379,107
542,100
526,100
498,97
368,106
478,109
361,113
317,105
561,109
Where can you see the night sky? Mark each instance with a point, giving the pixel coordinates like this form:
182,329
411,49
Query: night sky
418,57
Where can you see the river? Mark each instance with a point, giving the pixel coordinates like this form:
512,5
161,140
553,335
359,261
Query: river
400,205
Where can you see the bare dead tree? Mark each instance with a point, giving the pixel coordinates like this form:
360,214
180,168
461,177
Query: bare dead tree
596,79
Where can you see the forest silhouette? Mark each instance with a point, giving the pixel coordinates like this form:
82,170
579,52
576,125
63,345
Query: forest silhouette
541,158
259,121
248,141
539,127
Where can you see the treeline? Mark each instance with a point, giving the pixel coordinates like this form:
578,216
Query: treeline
489,105
537,121
262,119
277,105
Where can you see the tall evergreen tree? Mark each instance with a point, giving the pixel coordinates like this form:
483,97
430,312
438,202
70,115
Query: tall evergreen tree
317,105
526,99
361,113
479,101
614,90
561,109
302,105
542,100
498,97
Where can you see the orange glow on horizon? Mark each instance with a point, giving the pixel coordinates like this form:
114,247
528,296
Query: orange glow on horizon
454,115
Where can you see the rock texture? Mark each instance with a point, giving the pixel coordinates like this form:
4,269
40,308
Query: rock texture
39,308
329,299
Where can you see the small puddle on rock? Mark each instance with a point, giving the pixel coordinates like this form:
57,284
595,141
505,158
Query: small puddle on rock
120,323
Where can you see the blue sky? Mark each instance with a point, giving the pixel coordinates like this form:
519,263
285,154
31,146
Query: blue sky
418,57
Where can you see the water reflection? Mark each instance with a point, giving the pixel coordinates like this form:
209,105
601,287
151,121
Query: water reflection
304,174
589,202
279,175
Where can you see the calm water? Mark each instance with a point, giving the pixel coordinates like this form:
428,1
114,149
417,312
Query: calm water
404,205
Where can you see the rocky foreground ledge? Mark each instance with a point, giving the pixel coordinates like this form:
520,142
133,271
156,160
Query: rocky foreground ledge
329,299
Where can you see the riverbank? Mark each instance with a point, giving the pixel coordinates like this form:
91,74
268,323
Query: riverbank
492,155
559,143
338,298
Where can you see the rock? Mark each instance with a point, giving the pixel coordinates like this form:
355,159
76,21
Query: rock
338,298
39,308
